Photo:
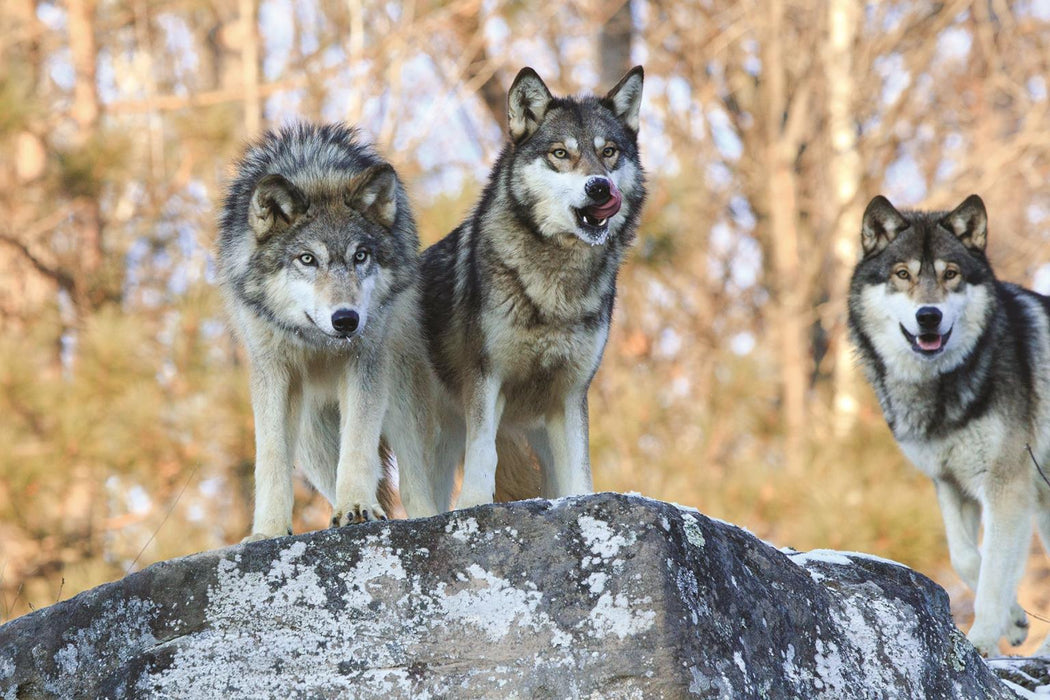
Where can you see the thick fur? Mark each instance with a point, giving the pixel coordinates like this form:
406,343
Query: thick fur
963,397
318,261
518,299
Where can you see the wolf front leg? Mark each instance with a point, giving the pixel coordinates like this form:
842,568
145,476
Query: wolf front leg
1007,515
484,409
363,396
567,433
961,516
276,404
410,432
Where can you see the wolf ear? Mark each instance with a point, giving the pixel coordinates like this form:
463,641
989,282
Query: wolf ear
374,194
969,221
527,102
276,205
626,97
880,225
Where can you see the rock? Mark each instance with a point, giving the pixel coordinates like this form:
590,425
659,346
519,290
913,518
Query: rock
604,596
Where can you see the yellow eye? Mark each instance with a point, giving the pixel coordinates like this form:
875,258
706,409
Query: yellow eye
903,274
951,273
308,260
560,153
609,151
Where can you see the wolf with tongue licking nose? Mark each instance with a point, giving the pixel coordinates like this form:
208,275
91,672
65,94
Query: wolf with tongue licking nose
518,299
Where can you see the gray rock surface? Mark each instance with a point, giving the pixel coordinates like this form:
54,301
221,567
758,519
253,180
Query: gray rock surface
604,596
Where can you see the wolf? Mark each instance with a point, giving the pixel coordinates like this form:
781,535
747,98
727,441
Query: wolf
518,299
960,363
318,259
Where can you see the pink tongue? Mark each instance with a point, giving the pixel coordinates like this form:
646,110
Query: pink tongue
929,342
604,211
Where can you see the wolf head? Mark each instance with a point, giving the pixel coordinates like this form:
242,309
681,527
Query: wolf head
316,234
576,171
923,292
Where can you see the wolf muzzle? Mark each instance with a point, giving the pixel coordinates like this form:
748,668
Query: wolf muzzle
345,321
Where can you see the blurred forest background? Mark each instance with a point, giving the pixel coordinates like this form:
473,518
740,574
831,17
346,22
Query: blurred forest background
728,382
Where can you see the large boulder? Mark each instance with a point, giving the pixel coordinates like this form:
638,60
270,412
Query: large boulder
604,596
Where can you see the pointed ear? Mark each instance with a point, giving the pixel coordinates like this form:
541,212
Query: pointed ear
626,98
969,221
276,205
880,225
374,194
527,102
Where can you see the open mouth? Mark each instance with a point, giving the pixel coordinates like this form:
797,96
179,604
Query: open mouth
927,343
594,219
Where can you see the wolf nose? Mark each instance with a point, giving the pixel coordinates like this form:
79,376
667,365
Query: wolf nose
597,188
928,317
345,321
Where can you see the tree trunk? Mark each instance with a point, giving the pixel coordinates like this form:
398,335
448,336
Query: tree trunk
845,174
782,206
250,65
85,114
614,46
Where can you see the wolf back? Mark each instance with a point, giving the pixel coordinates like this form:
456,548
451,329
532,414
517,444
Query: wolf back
318,261
518,299
960,363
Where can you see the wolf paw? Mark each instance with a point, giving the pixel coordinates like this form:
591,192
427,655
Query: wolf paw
1017,629
259,536
986,644
358,513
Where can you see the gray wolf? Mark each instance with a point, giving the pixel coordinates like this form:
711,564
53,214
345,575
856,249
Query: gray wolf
960,363
319,264
518,299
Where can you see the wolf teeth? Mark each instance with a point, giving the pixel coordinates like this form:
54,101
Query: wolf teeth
591,221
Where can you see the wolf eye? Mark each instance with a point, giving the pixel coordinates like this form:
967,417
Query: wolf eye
560,153
361,256
308,260
609,151
951,273
903,274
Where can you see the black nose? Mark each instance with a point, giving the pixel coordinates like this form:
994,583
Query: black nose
929,317
597,188
345,321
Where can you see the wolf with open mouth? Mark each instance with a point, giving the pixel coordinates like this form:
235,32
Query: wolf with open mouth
960,363
518,299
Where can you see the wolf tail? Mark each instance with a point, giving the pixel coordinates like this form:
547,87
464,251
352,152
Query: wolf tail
518,475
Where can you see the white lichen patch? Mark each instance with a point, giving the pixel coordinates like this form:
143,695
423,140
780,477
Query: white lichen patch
377,564
285,615
831,671
596,582
600,538
492,604
124,623
462,530
692,531
620,616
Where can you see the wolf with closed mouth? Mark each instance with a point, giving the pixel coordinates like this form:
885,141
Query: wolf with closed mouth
960,363
518,299
318,260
